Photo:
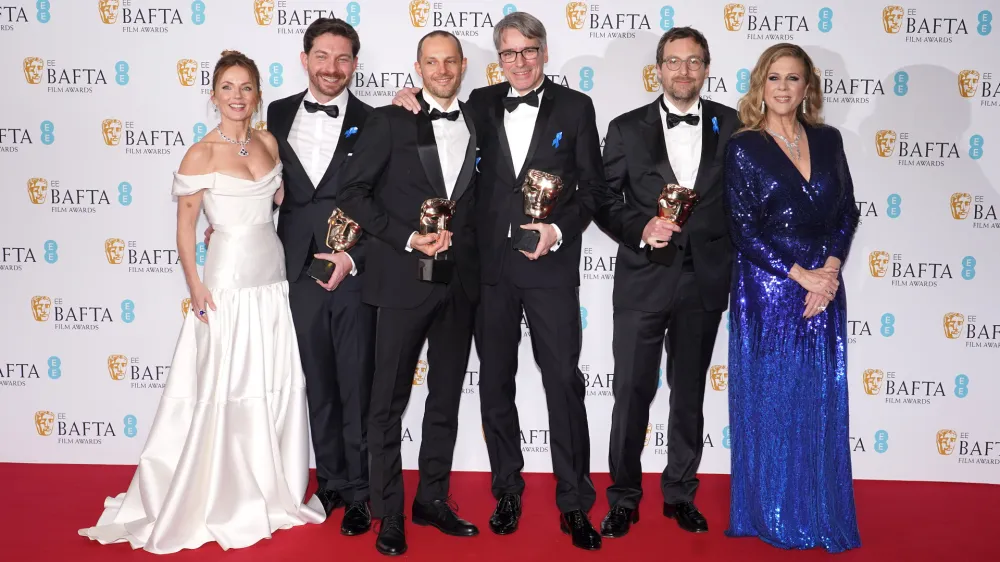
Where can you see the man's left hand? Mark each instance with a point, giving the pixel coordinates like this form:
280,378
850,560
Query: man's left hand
547,239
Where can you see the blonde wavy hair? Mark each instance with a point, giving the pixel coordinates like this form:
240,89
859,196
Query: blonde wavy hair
752,117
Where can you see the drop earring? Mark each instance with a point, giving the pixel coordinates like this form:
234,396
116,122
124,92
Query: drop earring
762,106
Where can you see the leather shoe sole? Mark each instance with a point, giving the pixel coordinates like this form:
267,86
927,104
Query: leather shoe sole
503,529
468,532
680,523
390,552
566,531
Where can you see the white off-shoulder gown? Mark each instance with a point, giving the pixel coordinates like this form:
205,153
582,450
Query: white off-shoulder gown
227,457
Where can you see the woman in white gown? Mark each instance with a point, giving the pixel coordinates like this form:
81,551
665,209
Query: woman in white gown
227,457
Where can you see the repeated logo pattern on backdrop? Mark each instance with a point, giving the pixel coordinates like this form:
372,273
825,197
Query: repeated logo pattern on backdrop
109,95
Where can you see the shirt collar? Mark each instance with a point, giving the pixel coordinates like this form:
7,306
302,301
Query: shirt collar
339,101
433,104
695,109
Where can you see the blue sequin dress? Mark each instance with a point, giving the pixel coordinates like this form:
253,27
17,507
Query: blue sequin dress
788,409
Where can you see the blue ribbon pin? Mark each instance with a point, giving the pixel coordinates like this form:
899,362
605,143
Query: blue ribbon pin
555,141
715,125
350,132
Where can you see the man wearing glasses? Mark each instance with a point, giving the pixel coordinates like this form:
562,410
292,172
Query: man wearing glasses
533,124
675,294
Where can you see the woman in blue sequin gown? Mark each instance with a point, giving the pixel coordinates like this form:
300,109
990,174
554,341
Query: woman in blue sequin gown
792,217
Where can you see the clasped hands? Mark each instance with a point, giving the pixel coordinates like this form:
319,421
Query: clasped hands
822,285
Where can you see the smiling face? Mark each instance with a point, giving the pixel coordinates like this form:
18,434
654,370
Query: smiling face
441,66
683,70
527,69
330,64
785,85
235,94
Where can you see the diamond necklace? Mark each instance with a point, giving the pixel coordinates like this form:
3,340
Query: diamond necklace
793,146
243,144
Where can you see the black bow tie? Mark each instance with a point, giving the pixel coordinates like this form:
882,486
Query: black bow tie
438,114
511,103
674,120
331,110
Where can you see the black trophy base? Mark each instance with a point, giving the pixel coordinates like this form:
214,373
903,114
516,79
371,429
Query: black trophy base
435,270
526,240
666,255
321,270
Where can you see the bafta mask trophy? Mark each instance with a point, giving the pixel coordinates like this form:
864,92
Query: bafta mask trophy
341,235
540,191
675,204
435,216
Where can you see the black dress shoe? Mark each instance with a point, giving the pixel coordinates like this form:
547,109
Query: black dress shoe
391,539
508,511
441,515
357,519
618,521
577,525
687,515
331,500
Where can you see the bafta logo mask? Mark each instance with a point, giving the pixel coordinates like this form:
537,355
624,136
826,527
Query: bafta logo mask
263,11
435,215
343,233
719,376
873,381
420,373
187,72
40,307
576,14
37,189
676,203
878,263
185,306
112,131
733,16
649,433
108,10
494,73
43,422
892,19
885,141
33,70
960,204
946,441
114,250
117,364
967,82
649,80
420,11
953,322
541,191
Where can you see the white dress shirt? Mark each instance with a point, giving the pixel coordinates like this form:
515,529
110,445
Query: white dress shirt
520,126
452,140
683,144
314,138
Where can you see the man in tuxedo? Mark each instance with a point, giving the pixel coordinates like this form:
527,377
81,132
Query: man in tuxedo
531,123
316,131
678,139
402,162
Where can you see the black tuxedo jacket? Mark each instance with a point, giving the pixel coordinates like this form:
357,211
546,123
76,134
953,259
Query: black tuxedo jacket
394,169
636,167
564,143
302,217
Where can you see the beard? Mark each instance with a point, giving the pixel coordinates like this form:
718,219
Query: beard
682,92
441,91
332,89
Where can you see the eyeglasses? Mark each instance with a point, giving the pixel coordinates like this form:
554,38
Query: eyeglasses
693,63
528,53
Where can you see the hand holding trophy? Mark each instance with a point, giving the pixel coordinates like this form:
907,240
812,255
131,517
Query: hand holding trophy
341,235
435,217
675,204
540,191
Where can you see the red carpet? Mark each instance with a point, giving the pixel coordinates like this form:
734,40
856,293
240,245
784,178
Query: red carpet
44,505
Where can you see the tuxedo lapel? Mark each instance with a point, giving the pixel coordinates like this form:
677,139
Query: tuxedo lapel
469,164
354,117
428,151
709,144
653,136
281,126
541,122
498,115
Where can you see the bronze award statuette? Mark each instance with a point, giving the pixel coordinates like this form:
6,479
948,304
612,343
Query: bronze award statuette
675,204
540,192
341,235
435,216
